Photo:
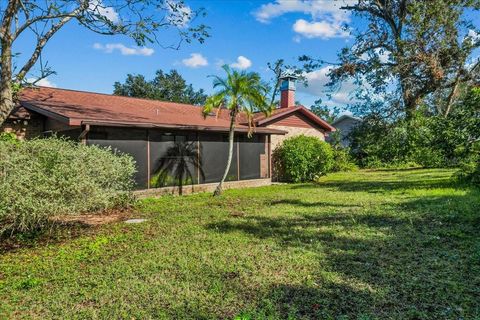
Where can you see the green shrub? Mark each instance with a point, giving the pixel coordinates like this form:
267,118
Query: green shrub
342,160
474,176
43,178
428,139
8,137
469,170
303,158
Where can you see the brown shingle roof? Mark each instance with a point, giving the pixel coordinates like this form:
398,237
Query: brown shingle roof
79,107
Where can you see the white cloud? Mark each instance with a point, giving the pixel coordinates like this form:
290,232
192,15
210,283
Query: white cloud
316,8
124,50
242,63
382,54
220,63
196,60
327,17
317,81
473,35
178,13
322,29
97,7
44,82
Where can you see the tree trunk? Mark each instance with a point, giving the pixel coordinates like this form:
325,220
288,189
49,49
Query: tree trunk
410,102
452,96
219,190
6,94
180,183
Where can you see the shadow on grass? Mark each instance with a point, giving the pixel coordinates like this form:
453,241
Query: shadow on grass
420,182
417,260
298,202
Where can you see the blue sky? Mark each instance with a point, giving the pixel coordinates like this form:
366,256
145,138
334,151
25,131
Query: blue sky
245,34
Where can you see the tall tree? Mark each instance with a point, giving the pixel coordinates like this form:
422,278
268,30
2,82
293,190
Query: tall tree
239,92
324,112
279,69
165,86
141,20
419,47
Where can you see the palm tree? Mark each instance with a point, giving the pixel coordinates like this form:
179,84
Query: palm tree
239,92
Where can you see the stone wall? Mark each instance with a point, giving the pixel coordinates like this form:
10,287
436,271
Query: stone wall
207,187
24,129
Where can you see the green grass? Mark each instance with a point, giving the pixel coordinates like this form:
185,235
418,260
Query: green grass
361,245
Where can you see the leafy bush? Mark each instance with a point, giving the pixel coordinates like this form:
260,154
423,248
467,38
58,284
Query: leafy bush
342,160
303,158
427,140
43,178
469,170
8,137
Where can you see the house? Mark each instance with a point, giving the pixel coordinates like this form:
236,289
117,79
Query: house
150,129
344,125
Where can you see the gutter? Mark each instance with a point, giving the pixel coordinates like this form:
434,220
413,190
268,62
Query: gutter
182,127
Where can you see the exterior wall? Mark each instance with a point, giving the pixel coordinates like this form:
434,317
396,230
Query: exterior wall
56,126
344,127
295,125
292,132
296,121
25,129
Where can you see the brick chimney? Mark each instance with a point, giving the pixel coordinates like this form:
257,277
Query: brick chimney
287,91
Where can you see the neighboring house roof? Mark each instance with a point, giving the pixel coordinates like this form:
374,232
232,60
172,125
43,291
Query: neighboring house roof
345,117
77,108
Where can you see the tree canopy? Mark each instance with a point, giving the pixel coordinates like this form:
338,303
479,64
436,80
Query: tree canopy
409,54
145,21
165,86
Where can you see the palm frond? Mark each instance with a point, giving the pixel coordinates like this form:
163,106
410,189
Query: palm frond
213,102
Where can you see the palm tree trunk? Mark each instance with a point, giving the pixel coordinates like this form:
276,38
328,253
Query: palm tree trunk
219,189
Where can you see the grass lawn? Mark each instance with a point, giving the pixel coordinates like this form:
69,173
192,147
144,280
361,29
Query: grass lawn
362,245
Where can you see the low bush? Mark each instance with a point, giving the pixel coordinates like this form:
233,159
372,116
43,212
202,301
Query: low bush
469,170
303,158
342,160
43,178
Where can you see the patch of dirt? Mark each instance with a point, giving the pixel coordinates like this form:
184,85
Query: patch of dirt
93,220
237,214
62,229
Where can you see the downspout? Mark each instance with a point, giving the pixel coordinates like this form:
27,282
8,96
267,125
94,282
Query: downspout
83,136
148,160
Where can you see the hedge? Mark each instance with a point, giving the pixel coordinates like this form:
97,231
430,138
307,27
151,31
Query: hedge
43,178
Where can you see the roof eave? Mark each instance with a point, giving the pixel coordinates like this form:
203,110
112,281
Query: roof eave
50,114
181,127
